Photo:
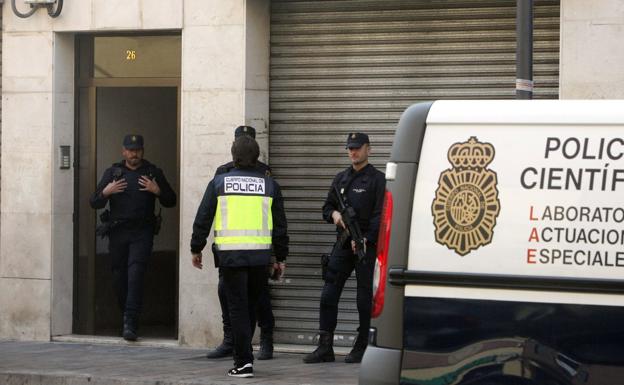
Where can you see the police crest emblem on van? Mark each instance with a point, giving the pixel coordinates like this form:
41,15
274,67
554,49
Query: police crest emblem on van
466,202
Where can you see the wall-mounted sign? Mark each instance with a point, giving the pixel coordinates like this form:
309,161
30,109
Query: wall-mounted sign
137,56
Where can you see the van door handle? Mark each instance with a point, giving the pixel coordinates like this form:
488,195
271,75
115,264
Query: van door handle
396,276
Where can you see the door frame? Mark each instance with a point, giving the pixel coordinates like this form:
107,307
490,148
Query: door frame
84,64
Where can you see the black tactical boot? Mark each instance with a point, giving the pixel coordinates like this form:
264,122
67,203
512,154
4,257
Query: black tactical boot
325,350
226,348
358,350
266,345
130,327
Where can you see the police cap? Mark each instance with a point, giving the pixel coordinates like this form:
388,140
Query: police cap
357,140
133,142
245,130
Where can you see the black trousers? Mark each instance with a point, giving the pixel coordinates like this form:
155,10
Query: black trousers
242,287
339,270
130,248
263,313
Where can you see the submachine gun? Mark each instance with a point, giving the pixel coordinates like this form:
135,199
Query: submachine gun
349,217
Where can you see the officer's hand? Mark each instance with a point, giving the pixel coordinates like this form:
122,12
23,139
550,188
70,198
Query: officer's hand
149,185
279,269
197,260
353,245
114,187
337,217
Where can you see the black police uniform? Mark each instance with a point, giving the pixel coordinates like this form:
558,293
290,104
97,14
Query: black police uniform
244,271
132,229
264,313
364,191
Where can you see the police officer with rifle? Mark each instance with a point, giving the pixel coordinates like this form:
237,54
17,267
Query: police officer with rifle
351,226
354,205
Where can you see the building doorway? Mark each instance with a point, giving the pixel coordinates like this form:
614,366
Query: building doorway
123,88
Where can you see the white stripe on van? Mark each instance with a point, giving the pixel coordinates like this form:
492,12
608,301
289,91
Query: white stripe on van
514,295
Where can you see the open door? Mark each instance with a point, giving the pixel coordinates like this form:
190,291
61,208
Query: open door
109,108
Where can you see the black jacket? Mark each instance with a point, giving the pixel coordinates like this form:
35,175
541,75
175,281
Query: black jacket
133,204
205,216
262,168
364,191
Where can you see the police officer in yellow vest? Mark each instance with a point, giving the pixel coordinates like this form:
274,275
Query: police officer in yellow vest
247,210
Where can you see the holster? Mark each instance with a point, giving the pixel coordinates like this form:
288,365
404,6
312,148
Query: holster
157,223
324,265
215,255
104,228
105,216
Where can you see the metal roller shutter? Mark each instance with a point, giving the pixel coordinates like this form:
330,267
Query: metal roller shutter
344,65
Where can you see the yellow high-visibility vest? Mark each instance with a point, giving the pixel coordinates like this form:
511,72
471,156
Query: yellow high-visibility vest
243,222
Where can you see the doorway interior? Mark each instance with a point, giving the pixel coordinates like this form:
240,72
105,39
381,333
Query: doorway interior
125,84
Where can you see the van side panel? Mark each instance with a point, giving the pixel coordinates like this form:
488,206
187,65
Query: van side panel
382,362
515,256
510,199
515,219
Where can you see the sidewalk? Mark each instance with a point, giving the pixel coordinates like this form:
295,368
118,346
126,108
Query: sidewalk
60,363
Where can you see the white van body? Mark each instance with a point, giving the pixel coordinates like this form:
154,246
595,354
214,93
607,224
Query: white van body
506,253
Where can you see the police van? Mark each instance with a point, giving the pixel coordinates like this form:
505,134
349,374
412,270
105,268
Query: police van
501,248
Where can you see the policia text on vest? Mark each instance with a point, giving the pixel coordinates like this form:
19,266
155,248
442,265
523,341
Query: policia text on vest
244,185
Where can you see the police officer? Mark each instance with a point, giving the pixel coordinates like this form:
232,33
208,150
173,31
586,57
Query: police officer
362,187
131,188
247,210
264,313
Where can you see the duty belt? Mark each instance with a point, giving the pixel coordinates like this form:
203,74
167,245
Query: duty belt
134,222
